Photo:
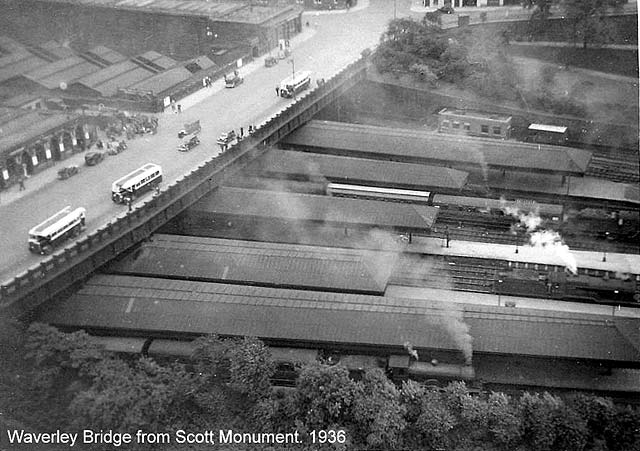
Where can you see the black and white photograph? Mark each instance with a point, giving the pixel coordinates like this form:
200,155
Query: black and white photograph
319,225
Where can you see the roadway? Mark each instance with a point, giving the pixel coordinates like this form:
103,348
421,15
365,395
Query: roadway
329,43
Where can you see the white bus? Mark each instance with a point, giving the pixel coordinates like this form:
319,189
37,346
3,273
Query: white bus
45,236
138,181
295,83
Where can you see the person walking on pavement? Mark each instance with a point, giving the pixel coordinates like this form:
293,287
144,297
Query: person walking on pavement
179,108
21,182
277,92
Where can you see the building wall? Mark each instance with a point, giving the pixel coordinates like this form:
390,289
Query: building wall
129,32
474,126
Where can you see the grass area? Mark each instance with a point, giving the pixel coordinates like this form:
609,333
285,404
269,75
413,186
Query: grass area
620,62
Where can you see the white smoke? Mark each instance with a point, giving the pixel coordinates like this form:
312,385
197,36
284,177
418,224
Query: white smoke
453,321
530,220
550,241
412,352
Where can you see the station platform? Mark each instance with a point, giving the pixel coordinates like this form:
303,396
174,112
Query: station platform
552,254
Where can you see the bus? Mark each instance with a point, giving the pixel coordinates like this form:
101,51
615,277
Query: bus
376,193
131,185
45,236
295,83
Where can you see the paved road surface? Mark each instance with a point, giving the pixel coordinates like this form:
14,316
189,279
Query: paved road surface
330,42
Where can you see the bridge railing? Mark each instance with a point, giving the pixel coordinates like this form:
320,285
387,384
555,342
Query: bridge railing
72,264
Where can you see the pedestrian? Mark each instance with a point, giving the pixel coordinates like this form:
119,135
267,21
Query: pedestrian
21,182
277,92
179,108
157,190
241,131
173,106
128,200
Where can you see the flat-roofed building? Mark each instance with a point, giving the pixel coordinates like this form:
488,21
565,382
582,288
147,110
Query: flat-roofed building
547,134
474,123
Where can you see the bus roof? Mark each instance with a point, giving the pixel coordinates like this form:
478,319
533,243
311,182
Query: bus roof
548,128
51,224
136,173
296,78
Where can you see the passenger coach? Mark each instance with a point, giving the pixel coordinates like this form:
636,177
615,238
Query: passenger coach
135,183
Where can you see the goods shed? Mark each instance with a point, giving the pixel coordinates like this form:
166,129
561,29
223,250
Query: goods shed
412,146
296,212
258,263
292,165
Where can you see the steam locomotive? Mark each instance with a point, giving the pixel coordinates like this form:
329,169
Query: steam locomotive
617,289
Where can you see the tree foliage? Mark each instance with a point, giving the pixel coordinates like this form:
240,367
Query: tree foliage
227,386
589,22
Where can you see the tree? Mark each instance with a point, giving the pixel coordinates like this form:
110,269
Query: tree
127,396
589,20
325,396
377,412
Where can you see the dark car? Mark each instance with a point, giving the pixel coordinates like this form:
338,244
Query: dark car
93,158
67,172
187,146
446,9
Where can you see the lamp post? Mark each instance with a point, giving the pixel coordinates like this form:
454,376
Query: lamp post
293,75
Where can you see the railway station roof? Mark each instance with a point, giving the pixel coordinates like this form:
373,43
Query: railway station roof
271,264
134,304
437,148
325,209
67,70
351,170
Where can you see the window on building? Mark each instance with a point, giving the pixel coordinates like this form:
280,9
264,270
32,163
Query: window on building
456,124
497,130
484,128
467,126
445,124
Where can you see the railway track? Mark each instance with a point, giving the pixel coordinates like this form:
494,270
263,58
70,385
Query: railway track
614,169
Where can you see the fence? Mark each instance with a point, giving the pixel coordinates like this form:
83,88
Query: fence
68,266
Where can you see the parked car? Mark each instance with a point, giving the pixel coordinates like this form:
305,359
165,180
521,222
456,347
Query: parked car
270,61
190,128
93,158
67,172
446,9
233,80
226,139
188,145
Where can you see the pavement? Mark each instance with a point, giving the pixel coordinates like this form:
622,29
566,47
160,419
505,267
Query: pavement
551,254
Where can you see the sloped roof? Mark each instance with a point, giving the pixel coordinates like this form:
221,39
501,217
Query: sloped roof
151,304
18,128
416,146
163,81
304,207
271,264
20,67
122,81
351,170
